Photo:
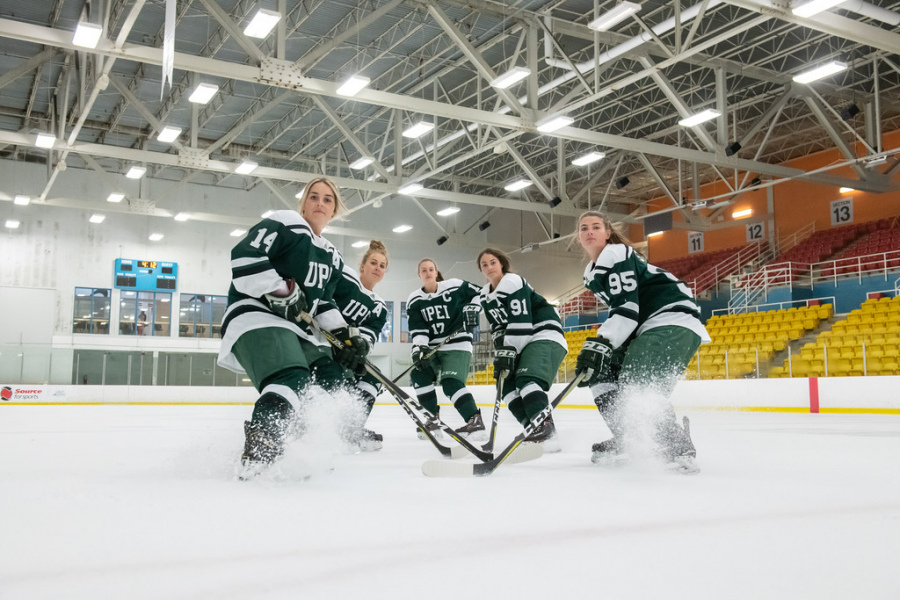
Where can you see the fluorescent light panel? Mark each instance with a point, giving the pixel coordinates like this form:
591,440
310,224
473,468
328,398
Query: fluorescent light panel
360,244
115,197
45,140
246,167
238,232
418,130
519,184
820,72
844,190
169,134
410,188
742,213
654,234
182,216
361,163
402,228
267,214
262,23
808,9
97,218
553,123
614,16
452,210
353,85
155,237
22,200
12,224
510,78
203,93
136,172
87,35
700,117
588,158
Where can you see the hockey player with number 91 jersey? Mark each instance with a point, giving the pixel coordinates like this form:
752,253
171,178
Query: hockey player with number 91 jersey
529,343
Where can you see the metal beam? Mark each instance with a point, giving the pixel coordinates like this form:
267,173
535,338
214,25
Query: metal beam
29,65
225,21
348,133
139,106
834,135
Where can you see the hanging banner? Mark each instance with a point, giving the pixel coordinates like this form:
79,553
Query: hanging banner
168,57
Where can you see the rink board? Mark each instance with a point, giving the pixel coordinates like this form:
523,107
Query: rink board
824,394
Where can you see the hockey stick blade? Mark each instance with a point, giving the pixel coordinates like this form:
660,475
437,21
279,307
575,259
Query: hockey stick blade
429,355
445,468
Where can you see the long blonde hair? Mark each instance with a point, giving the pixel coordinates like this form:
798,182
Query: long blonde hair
615,237
338,203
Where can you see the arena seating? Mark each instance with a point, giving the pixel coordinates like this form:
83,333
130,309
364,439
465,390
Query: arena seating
878,248
738,341
866,342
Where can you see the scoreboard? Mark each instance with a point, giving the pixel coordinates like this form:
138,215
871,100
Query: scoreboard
145,275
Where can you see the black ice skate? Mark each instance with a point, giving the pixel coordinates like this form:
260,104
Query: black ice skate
262,447
432,426
365,440
545,434
608,453
474,428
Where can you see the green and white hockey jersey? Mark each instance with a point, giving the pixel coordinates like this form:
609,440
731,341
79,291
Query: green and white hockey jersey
523,315
360,307
432,317
640,296
280,247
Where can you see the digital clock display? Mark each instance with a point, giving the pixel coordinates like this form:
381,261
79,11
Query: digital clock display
145,275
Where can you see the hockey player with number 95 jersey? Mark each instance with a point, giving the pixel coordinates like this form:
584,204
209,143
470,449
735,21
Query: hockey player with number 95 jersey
657,316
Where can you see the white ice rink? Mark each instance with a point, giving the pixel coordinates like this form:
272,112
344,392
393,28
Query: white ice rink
139,502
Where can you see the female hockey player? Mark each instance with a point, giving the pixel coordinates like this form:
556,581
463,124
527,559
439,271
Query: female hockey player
363,308
282,270
657,312
442,308
529,343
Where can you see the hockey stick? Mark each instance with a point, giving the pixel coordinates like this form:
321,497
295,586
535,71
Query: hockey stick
429,355
444,450
489,446
434,468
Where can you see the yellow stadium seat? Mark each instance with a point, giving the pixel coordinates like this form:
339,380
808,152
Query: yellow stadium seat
777,372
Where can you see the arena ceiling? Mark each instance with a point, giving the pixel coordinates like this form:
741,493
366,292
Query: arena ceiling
624,89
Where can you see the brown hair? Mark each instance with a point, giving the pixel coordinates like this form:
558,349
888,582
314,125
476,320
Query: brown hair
374,246
431,260
615,237
338,204
500,255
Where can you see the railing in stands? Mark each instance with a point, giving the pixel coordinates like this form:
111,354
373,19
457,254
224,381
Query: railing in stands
784,244
748,290
856,267
745,256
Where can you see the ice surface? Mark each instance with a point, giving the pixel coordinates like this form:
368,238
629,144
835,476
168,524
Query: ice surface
140,502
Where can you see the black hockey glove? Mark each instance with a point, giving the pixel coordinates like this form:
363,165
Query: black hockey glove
289,306
504,360
497,337
419,357
471,317
352,354
594,360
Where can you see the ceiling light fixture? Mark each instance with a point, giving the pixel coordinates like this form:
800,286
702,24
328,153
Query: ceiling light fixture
262,23
115,197
510,78
12,224
45,140
847,190
450,210
238,232
136,172
553,123
402,228
519,184
155,237
353,85
820,72
360,244
739,214
22,200
182,216
808,9
267,214
169,134
418,130
588,158
203,93
654,234
87,35
410,188
246,167
361,163
700,117
97,218
614,16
